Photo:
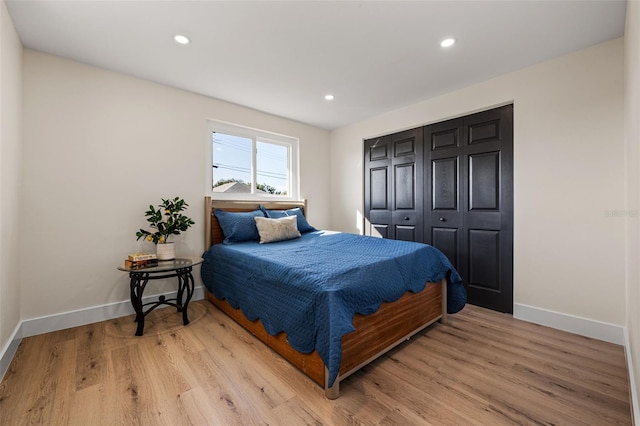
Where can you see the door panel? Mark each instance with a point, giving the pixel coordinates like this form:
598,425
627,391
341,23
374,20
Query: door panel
404,144
405,189
445,135
446,240
445,184
378,189
483,131
378,152
484,258
484,181
406,232
379,230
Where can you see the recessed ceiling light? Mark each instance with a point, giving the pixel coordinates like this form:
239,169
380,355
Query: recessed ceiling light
329,97
181,39
448,42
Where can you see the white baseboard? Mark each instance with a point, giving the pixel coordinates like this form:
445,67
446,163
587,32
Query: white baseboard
61,321
9,350
635,405
583,326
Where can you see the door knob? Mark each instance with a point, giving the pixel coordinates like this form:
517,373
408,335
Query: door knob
442,219
406,218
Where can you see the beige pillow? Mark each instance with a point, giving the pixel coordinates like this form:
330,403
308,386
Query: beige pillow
272,230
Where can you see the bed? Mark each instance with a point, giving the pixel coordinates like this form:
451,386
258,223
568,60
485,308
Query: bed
356,302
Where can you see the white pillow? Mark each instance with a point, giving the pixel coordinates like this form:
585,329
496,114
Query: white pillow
272,230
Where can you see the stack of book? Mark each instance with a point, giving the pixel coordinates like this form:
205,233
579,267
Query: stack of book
140,260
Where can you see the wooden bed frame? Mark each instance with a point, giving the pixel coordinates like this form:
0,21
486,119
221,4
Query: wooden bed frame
375,334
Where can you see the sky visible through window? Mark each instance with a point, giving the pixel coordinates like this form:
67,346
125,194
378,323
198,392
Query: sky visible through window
232,160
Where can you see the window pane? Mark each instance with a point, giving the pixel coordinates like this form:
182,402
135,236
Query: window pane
251,164
272,168
231,163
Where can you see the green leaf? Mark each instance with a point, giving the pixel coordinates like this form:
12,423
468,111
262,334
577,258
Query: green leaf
167,220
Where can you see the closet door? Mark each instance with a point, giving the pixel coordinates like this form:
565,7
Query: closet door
469,207
444,203
377,187
488,219
393,180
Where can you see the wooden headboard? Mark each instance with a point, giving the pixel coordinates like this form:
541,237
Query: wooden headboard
213,232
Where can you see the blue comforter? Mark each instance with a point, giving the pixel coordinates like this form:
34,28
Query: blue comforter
312,286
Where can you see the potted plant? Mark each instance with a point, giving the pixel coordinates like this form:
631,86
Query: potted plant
165,221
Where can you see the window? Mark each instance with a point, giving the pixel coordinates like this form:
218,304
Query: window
247,163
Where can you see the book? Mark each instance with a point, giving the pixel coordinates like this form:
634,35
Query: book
135,264
141,256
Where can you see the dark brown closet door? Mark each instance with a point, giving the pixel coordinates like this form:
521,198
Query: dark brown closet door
393,176
444,205
469,207
377,184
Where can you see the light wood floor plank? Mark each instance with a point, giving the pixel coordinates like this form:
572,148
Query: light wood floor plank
91,360
484,368
560,370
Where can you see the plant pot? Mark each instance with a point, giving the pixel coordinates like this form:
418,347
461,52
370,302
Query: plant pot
166,251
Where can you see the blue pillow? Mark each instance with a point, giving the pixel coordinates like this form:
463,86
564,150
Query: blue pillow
238,226
303,225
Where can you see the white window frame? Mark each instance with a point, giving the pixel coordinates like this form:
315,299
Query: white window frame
292,143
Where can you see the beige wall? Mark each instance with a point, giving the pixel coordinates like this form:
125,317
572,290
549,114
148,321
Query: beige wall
568,176
632,155
10,171
99,147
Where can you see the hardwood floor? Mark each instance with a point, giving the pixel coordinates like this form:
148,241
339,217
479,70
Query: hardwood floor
484,368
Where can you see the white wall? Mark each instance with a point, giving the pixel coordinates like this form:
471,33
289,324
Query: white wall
568,176
632,155
10,171
99,147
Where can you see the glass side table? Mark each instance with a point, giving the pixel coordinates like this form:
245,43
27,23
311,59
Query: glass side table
140,277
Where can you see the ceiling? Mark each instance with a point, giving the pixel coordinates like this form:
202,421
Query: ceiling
282,57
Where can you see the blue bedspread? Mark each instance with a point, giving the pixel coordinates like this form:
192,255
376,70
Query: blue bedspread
311,287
